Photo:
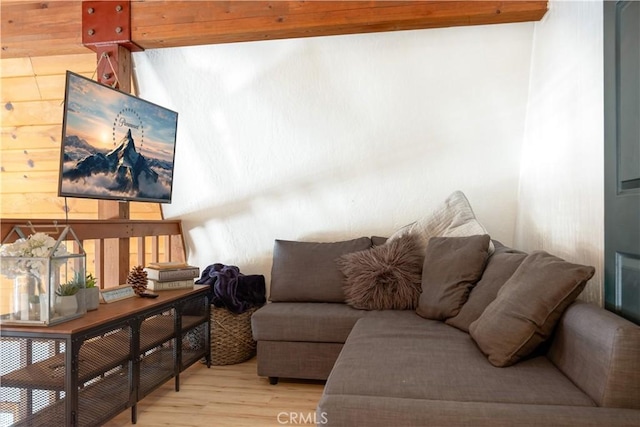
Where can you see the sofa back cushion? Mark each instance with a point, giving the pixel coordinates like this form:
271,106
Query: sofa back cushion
452,266
600,352
500,267
527,307
307,271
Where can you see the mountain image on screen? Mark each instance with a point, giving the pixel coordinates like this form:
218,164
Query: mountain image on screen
122,171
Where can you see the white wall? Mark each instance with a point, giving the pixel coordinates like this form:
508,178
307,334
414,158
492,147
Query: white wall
561,197
338,137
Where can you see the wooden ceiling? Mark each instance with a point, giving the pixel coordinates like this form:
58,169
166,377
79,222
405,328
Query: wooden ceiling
42,28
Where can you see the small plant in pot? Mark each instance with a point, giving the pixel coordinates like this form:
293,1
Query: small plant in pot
66,301
92,292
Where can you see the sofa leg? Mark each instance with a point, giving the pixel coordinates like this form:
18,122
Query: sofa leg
273,380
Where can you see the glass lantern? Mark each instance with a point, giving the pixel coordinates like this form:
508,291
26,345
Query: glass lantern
42,276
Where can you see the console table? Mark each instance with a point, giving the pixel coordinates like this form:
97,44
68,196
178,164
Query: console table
86,371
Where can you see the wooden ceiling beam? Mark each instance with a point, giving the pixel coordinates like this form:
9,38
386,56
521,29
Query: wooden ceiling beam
42,28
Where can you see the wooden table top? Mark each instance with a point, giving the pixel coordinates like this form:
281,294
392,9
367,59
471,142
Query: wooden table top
107,312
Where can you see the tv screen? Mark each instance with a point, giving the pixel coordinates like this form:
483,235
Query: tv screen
115,145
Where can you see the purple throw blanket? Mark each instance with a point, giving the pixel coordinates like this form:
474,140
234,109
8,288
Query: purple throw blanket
232,289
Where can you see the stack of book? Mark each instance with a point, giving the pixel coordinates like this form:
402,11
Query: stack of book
164,276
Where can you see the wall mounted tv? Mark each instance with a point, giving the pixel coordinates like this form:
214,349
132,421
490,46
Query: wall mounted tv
114,145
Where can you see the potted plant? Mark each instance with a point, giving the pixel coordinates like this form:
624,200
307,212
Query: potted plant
92,293
66,301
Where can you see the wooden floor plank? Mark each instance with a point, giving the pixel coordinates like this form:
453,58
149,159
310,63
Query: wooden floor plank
220,396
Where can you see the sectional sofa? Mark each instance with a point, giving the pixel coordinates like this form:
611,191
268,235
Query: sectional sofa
446,329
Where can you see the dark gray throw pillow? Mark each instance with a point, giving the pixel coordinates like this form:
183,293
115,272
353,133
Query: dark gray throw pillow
385,277
307,271
527,307
500,267
452,266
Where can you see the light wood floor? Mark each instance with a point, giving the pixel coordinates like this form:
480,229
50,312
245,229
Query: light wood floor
231,395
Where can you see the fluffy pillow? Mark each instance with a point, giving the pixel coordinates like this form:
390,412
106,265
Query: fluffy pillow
500,267
527,307
454,218
307,271
452,266
384,277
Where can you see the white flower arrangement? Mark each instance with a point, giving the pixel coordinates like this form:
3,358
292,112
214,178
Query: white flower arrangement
37,245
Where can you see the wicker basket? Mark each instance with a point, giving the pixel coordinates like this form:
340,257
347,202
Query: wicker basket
231,338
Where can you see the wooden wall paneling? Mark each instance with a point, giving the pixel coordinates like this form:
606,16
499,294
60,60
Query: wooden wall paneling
30,206
39,28
31,137
19,182
51,86
25,113
15,67
83,63
22,88
34,205
37,159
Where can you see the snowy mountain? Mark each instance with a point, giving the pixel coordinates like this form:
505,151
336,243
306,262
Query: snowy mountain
129,171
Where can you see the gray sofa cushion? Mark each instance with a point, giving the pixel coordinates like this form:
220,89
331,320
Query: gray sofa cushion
452,266
413,358
376,411
500,267
313,322
307,271
527,307
378,240
296,359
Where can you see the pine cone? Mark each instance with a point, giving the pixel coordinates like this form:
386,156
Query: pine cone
137,278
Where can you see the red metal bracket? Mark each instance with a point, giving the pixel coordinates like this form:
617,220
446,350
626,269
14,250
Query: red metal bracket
106,29
107,22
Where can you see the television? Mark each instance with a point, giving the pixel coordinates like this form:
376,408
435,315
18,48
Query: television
114,145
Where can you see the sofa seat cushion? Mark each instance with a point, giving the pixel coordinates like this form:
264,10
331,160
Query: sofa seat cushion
298,321
376,411
415,358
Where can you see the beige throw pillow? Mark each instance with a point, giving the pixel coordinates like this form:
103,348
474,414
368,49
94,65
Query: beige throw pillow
527,307
452,266
453,218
